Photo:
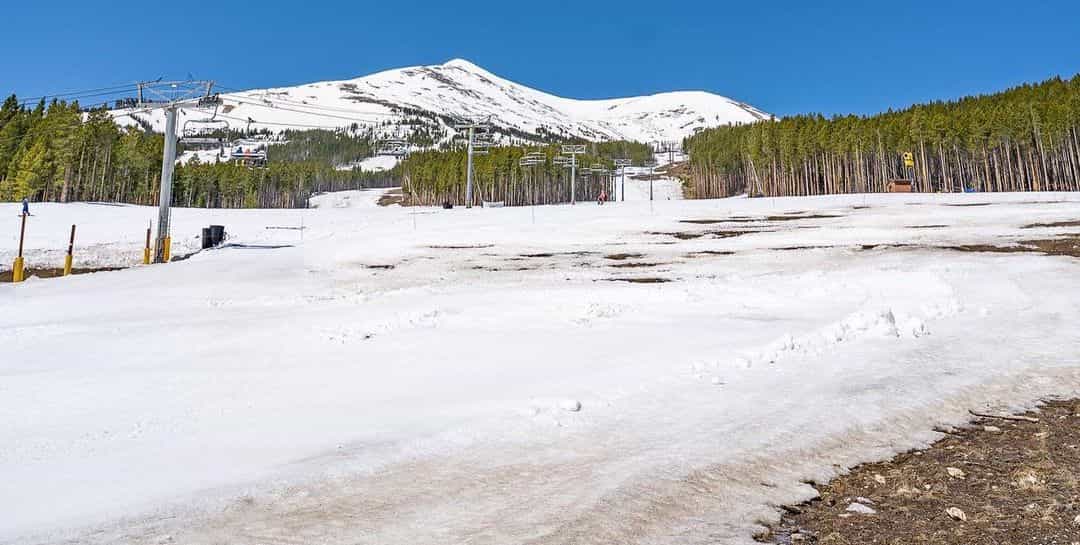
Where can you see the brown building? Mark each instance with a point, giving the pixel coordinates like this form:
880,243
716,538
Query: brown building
899,186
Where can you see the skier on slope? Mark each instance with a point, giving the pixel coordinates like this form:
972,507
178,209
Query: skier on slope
25,206
603,197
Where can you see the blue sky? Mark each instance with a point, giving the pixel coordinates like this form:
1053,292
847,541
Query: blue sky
782,56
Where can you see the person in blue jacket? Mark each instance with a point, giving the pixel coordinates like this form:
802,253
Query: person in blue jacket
25,206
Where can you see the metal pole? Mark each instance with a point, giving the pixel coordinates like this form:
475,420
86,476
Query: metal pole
168,162
573,178
624,184
468,173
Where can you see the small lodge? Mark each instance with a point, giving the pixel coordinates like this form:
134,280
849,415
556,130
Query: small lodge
899,186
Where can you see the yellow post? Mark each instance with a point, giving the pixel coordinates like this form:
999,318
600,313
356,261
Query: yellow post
146,249
17,272
166,253
71,250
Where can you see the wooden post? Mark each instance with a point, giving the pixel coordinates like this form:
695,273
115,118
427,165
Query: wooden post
68,257
17,273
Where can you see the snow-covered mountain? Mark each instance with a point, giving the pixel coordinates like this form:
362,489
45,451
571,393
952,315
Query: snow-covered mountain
402,100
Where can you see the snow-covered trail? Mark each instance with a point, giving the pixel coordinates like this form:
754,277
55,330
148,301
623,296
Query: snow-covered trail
308,393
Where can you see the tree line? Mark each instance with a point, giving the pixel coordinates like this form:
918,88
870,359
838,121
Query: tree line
1024,139
52,152
435,177
57,152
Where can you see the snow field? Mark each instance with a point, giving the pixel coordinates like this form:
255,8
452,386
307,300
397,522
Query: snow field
419,375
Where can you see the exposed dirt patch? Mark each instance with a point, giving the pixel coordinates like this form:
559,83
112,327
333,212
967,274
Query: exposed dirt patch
553,254
6,276
705,253
971,204
732,234
744,219
1067,246
686,235
379,267
1013,482
706,222
623,257
800,216
461,246
794,248
636,264
875,246
1073,223
500,269
927,226
641,280
681,235
392,197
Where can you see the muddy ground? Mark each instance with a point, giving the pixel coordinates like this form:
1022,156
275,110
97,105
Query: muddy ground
995,482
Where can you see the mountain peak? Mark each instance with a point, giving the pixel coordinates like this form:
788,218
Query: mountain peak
464,64
430,97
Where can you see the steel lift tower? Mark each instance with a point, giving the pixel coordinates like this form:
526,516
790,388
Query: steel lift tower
170,96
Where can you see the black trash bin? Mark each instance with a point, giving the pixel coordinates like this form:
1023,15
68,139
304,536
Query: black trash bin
217,234
207,241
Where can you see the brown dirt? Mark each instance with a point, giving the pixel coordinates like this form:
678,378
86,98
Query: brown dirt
1074,223
393,197
1020,485
802,216
553,254
1066,246
744,219
704,253
636,264
686,235
641,280
5,276
681,235
794,248
623,257
461,246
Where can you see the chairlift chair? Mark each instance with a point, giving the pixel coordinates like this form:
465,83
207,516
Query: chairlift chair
394,147
249,154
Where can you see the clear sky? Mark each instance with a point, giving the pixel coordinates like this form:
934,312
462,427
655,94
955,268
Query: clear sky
782,56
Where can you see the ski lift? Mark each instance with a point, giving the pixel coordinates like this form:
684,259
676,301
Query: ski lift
533,159
394,147
483,140
205,134
251,154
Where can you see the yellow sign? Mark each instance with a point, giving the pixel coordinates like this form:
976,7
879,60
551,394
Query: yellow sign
909,159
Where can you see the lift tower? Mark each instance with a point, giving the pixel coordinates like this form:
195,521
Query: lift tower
170,96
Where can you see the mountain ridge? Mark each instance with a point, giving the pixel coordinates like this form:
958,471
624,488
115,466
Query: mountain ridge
397,102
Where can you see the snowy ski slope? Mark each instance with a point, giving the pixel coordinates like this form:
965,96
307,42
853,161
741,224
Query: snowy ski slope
402,376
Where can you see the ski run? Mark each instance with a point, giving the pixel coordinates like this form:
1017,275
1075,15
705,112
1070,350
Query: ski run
633,373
